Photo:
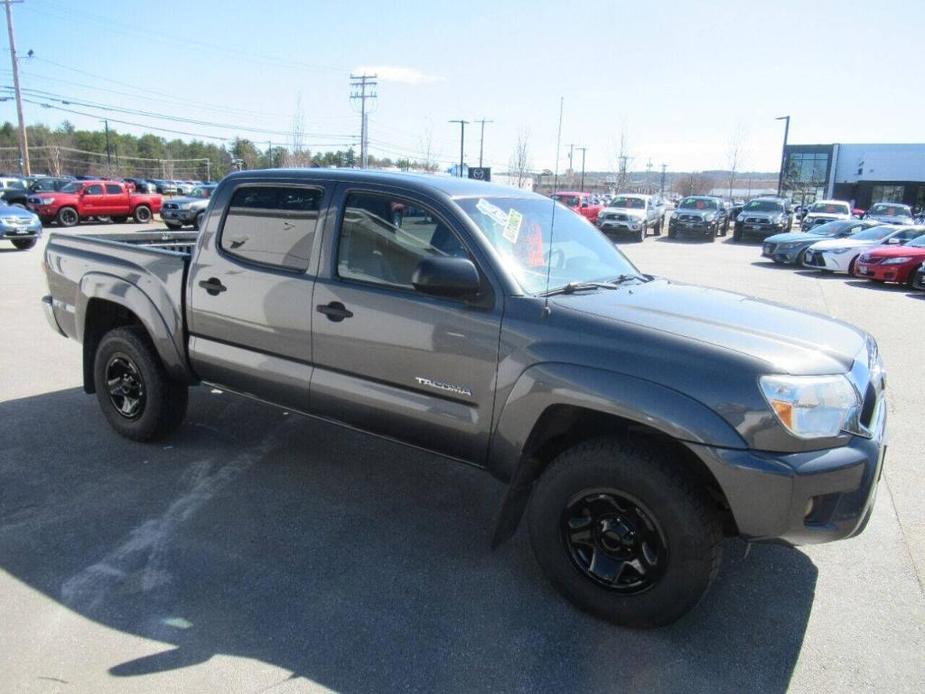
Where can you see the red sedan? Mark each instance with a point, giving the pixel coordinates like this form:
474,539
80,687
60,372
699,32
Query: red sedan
892,263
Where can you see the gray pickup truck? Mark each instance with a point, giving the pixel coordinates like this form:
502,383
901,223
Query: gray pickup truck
635,421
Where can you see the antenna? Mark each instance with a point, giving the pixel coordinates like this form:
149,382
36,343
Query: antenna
552,221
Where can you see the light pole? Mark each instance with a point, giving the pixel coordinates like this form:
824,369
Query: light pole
783,153
581,185
462,143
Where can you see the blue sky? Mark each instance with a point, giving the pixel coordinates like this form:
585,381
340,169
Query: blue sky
681,79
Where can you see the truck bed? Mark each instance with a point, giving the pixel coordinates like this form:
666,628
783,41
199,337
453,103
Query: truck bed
83,267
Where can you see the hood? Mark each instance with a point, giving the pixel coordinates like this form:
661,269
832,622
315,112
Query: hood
896,251
793,236
186,199
785,339
8,211
631,213
831,244
827,215
891,218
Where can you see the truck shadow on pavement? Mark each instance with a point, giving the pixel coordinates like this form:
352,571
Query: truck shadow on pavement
351,562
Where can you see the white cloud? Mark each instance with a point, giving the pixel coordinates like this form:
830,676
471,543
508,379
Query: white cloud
397,73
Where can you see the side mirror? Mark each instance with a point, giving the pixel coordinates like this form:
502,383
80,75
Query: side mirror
584,204
894,241
445,276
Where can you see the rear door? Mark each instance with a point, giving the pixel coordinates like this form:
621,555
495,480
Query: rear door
389,359
115,199
249,290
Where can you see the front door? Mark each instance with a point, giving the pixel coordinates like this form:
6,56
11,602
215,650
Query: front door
91,200
388,358
250,290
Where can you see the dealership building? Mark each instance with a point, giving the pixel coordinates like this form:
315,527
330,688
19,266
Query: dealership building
861,174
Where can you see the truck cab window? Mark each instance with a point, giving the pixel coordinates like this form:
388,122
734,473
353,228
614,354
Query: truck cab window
272,225
112,189
382,239
93,190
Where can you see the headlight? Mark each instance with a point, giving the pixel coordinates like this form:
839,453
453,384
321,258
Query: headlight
740,218
812,407
709,217
185,205
47,201
839,251
899,260
787,246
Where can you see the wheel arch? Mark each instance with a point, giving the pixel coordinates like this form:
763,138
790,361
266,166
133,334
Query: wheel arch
555,406
104,303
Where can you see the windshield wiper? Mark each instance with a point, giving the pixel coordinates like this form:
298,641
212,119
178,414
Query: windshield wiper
573,287
622,279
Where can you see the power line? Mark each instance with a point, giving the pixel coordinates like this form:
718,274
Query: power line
359,84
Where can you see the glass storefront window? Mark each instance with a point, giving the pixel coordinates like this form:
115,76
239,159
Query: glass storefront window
887,194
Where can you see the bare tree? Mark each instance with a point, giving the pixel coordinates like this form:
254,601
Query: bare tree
428,157
693,183
734,157
519,163
298,156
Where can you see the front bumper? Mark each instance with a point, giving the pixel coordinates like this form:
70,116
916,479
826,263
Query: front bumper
826,260
801,498
179,216
919,280
10,232
774,252
615,227
48,306
884,273
762,230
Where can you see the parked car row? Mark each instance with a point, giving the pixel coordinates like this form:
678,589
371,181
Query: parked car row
863,248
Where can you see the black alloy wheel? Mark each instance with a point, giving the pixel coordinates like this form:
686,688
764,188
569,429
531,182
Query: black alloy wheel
614,540
126,386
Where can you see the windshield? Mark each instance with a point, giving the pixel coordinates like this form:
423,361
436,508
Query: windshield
874,234
917,242
201,192
891,210
763,206
830,208
697,204
830,229
74,187
628,203
518,228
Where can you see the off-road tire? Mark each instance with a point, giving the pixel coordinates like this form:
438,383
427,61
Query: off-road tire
142,214
197,224
68,217
676,501
736,235
120,220
24,244
658,228
642,234
172,226
165,400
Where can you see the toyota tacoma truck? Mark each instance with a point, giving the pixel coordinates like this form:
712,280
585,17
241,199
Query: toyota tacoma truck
824,211
84,199
190,210
633,215
580,203
634,421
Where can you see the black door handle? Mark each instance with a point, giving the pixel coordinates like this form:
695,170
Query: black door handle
335,311
213,285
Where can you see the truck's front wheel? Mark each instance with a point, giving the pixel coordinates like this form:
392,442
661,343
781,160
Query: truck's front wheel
142,214
136,395
624,534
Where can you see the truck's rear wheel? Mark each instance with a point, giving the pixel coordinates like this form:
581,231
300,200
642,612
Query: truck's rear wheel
142,214
68,217
133,389
624,534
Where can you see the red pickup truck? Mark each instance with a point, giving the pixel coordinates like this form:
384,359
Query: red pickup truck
83,199
580,203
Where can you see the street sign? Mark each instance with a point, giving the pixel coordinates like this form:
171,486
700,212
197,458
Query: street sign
480,173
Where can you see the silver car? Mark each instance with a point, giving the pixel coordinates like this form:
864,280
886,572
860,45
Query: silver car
19,226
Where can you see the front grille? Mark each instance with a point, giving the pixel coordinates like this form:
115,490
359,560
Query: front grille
815,259
15,220
769,248
756,220
690,218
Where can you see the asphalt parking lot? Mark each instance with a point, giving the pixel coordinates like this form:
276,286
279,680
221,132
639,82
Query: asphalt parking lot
257,550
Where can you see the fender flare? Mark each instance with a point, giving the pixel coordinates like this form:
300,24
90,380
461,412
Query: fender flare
119,291
547,385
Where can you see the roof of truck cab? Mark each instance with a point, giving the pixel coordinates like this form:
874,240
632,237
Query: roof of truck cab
449,185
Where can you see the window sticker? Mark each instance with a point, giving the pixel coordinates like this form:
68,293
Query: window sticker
495,213
512,229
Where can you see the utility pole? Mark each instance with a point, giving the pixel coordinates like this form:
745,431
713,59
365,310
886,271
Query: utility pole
359,84
108,149
581,185
462,143
571,151
482,139
208,170
783,151
662,184
649,176
23,140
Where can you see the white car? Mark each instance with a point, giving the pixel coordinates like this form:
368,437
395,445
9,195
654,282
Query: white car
824,211
838,255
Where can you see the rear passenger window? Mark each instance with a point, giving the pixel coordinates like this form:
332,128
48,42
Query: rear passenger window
383,238
272,225
95,189
113,189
